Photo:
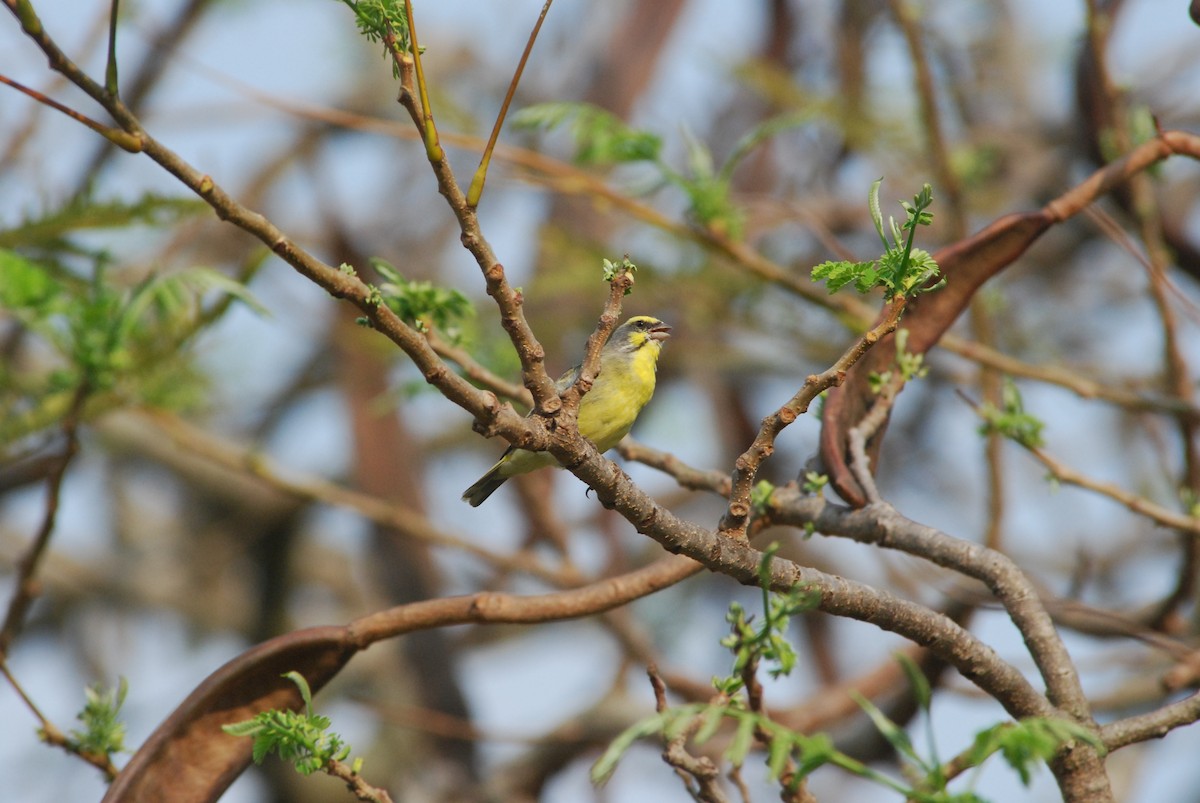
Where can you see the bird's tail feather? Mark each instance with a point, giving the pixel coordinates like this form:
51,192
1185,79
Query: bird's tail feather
485,487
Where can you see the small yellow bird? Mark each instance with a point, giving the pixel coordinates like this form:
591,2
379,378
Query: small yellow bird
625,383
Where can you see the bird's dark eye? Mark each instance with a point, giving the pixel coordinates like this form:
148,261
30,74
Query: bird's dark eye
641,324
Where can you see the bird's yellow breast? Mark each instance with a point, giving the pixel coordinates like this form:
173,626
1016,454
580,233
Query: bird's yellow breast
624,386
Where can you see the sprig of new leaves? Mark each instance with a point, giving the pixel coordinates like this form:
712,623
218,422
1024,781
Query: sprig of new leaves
755,644
378,20
300,738
614,269
103,732
752,645
792,756
1023,744
1010,420
303,740
603,140
122,343
419,304
902,269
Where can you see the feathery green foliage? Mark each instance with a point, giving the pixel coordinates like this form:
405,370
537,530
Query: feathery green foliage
51,231
791,756
420,304
91,331
379,19
603,140
901,269
300,738
103,732
1028,742
1010,419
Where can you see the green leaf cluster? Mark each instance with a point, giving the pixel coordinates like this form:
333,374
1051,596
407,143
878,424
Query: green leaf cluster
902,269
103,732
377,19
814,482
103,336
614,269
760,496
603,140
1023,744
791,756
300,738
753,644
50,233
911,366
82,326
703,720
708,190
1010,419
1028,742
931,787
420,304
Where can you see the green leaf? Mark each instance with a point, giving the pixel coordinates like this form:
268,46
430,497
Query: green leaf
901,269
710,721
1010,420
838,274
103,732
614,269
896,736
305,693
779,750
262,748
50,231
247,727
760,495
208,279
601,138
24,284
743,740
1025,743
300,739
916,680
420,303
814,482
816,750
764,569
376,19
709,202
876,212
606,765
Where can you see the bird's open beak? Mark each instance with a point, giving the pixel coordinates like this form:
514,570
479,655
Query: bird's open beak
660,332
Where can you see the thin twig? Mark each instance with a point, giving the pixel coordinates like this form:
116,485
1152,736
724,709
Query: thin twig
737,515
476,189
355,783
478,373
700,775
1137,504
113,135
1145,210
51,735
25,586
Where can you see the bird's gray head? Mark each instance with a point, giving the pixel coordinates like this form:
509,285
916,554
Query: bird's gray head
639,331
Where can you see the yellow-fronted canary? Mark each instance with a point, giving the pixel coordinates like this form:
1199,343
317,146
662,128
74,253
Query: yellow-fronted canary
625,383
